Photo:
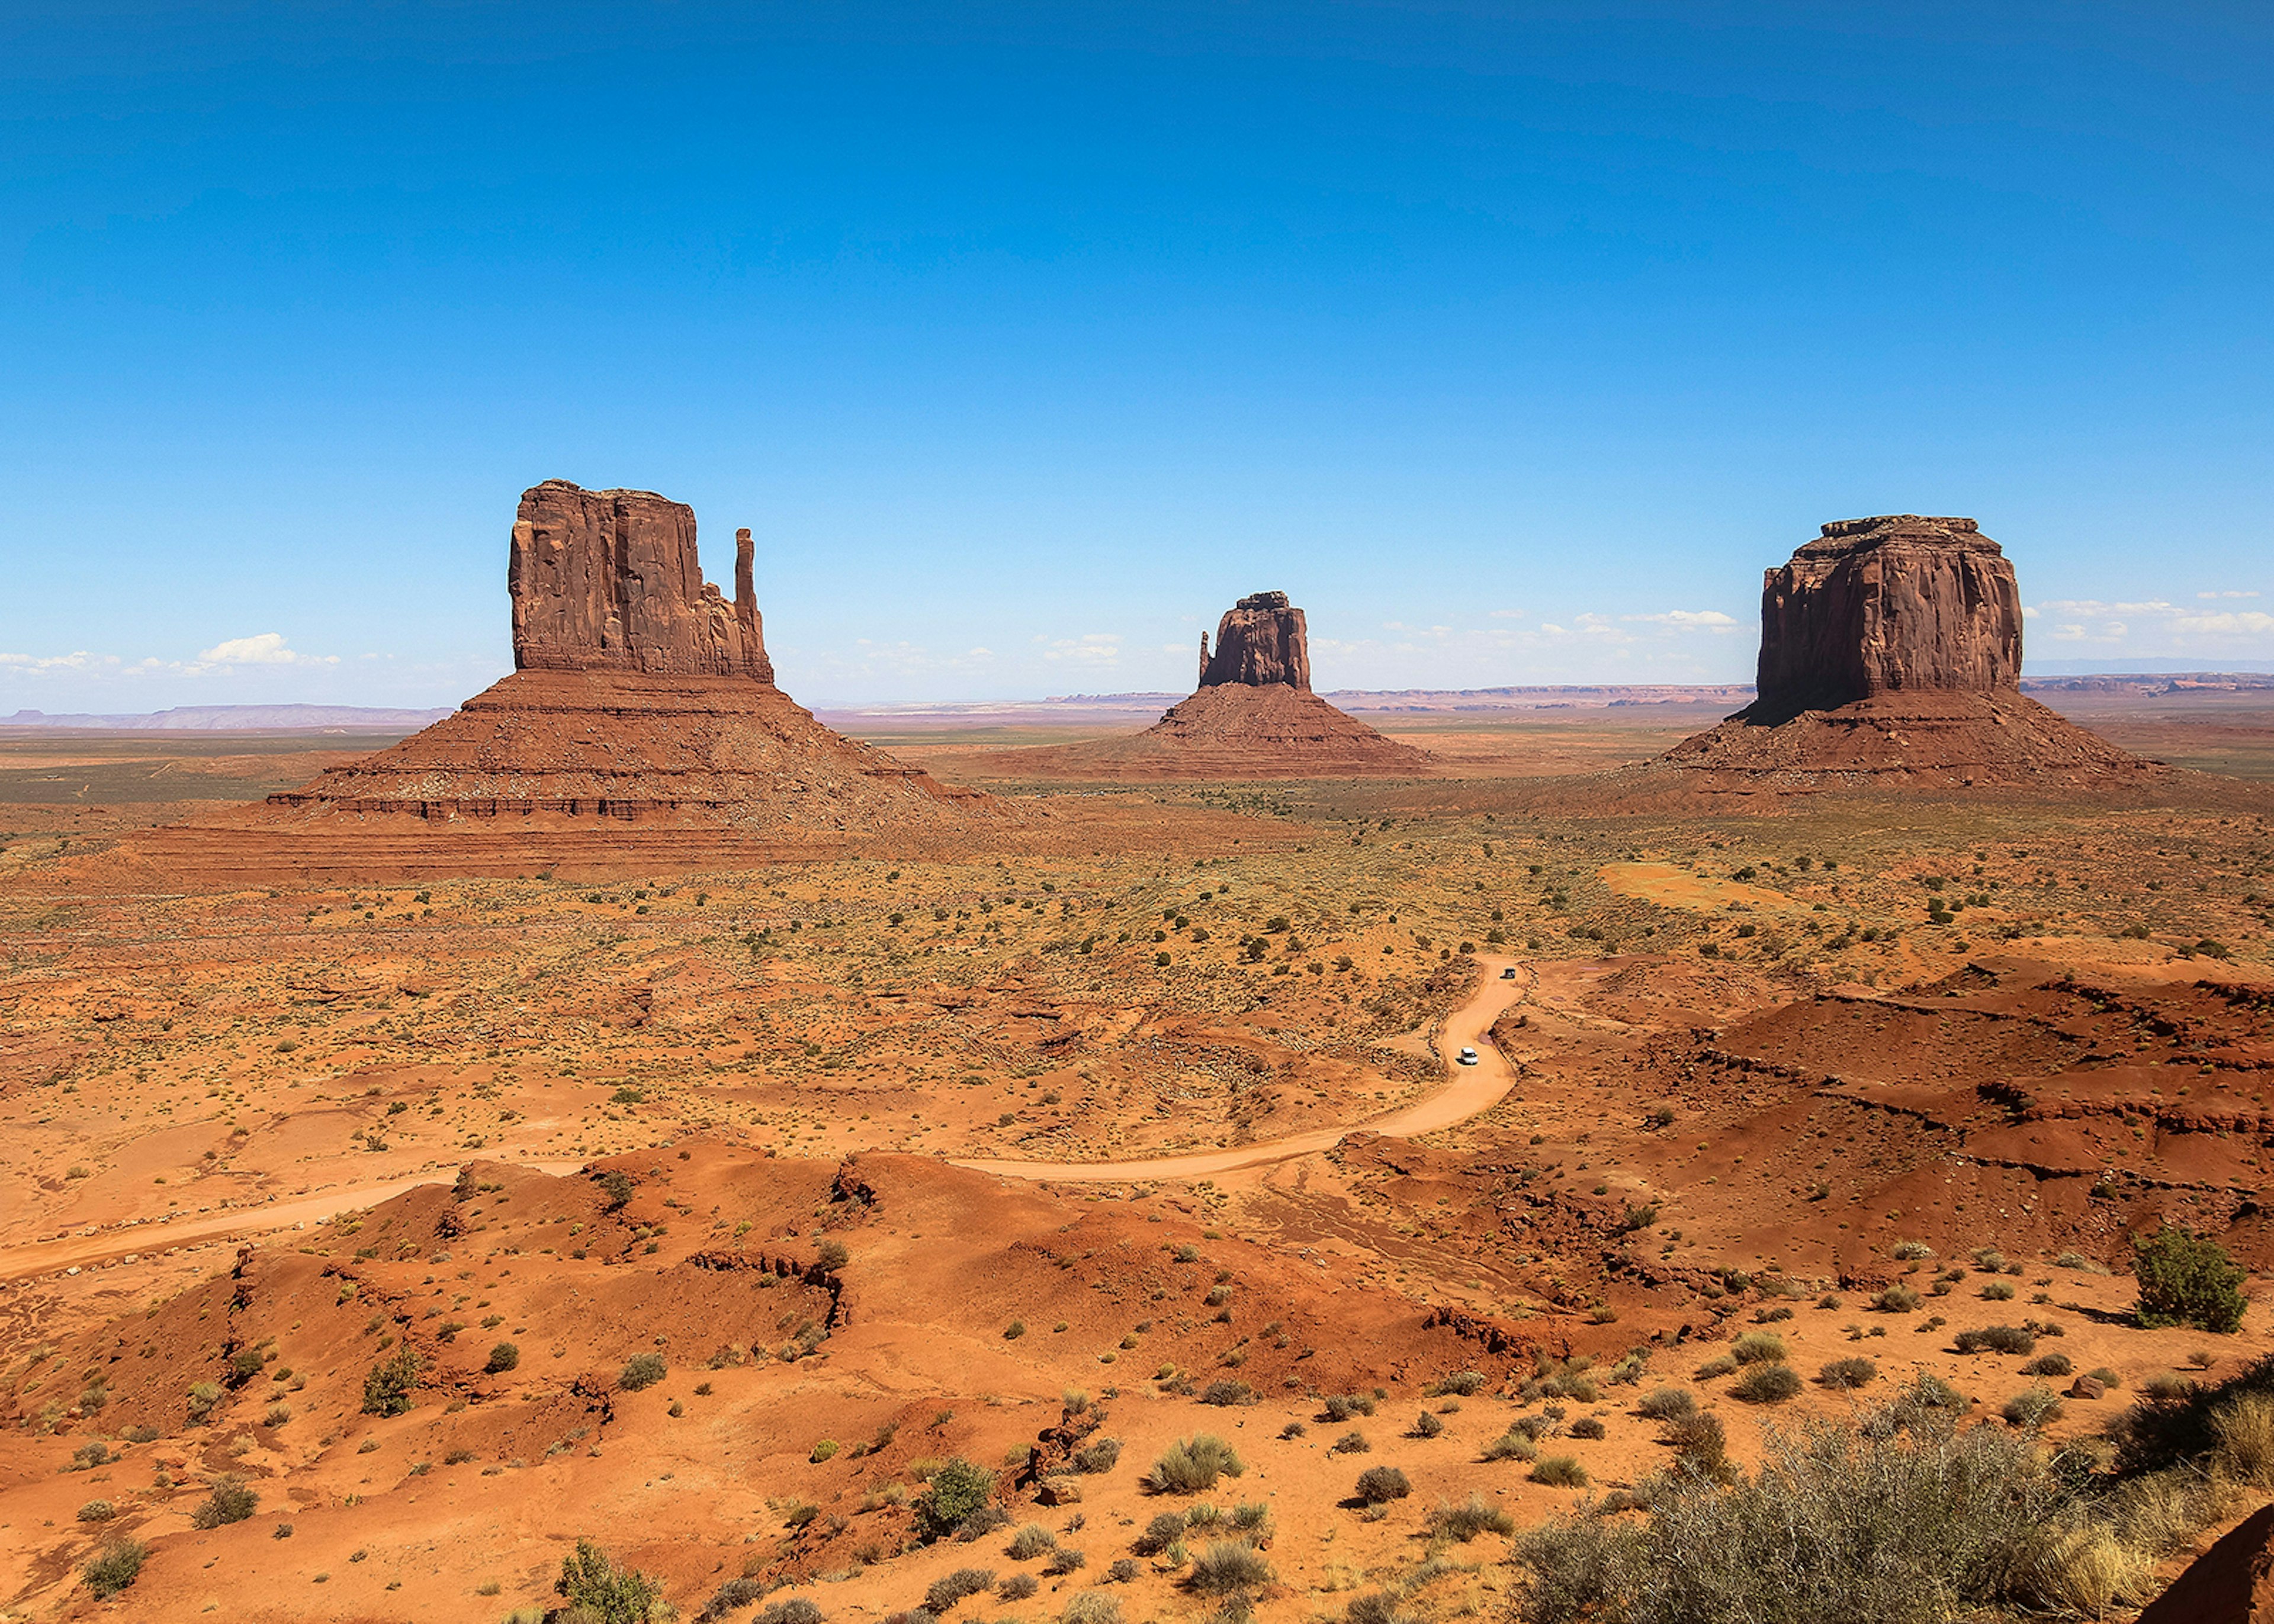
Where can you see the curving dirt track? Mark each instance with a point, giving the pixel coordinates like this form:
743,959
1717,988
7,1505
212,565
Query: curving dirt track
1470,1090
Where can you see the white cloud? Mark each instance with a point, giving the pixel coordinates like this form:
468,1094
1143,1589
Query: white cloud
2226,594
1507,615
1689,619
2156,625
79,661
261,649
1089,649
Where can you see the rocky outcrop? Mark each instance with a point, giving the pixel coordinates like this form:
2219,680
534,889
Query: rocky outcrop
1260,640
610,580
2232,1582
640,697
1891,652
1253,716
1898,604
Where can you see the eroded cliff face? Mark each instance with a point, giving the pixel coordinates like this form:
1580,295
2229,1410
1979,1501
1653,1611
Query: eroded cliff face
1261,640
610,580
1898,604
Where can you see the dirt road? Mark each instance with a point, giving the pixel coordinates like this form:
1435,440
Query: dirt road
1468,1091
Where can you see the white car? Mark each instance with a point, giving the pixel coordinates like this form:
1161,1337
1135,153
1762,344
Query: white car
1468,1057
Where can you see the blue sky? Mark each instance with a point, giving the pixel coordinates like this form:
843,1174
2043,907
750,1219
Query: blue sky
1513,341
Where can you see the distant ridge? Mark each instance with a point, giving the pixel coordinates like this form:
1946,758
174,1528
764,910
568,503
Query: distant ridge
240,719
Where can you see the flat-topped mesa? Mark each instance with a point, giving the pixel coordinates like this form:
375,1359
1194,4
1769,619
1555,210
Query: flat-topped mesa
610,580
1261,640
1894,604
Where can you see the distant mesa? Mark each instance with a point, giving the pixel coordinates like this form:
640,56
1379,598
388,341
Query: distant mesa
1891,648
642,726
1253,716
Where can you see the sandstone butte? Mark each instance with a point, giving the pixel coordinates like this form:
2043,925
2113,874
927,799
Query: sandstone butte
1253,716
1891,652
640,725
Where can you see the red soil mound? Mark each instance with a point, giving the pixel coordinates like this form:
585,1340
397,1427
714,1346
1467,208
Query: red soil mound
1928,737
2232,1582
1232,731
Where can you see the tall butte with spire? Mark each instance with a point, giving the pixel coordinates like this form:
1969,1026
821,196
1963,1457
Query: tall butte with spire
1253,716
641,725
1891,650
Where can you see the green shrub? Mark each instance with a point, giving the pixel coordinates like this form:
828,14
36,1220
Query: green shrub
1378,1486
1192,1465
790,1610
388,1385
1559,1471
1018,1587
1998,1339
2187,1279
617,1185
1512,1446
1896,1300
1766,1384
1091,1607
1033,1540
1863,1524
1463,1523
1343,1406
1099,1456
642,1370
502,1358
2033,1408
1665,1404
1426,1425
1460,1384
1586,1426
950,1588
97,1511
1229,1566
1757,1348
113,1568
229,1502
590,1581
1701,1444
1846,1375
958,1489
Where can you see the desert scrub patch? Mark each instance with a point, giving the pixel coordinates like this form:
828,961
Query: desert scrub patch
1379,1484
958,1490
642,1371
1463,1523
1559,1471
1766,1384
1228,1566
1664,1403
950,1588
113,1568
229,1502
1758,1348
1033,1540
1192,1465
1846,1375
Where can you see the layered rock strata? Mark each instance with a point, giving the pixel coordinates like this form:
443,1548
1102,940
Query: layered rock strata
1253,716
640,694
1899,603
1892,647
1261,640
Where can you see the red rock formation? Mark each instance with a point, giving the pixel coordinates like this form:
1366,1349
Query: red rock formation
1260,640
1253,716
641,696
1891,648
2232,1582
1898,604
610,580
